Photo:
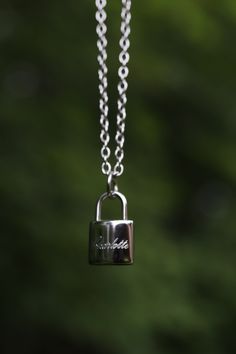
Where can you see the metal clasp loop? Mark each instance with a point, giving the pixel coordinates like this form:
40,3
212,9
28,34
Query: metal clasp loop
104,196
112,186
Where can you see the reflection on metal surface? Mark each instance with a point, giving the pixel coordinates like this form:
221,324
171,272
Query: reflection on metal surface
111,241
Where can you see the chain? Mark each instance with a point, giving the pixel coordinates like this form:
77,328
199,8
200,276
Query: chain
123,72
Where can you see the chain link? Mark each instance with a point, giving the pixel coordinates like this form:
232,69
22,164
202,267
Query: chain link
123,72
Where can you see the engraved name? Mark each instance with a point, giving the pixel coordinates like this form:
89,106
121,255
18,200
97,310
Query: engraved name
123,245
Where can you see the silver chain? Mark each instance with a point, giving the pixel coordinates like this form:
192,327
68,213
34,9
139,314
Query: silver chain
123,72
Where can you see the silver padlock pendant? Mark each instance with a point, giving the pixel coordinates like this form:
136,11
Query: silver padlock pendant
111,241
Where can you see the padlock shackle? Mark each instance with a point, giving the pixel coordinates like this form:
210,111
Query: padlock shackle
116,195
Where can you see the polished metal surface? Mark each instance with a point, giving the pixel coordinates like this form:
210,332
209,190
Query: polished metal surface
111,241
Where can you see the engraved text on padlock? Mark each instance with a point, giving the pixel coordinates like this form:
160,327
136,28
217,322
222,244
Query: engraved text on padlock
111,241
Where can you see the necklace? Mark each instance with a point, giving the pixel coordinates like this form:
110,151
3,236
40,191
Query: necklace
111,241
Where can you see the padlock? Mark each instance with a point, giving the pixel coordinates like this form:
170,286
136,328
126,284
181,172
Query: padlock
111,241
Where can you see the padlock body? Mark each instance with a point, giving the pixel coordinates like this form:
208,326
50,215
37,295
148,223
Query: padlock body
111,242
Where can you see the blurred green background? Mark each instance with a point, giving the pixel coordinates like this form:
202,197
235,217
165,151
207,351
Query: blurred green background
180,177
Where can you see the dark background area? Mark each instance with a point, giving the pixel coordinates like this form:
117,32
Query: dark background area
180,177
